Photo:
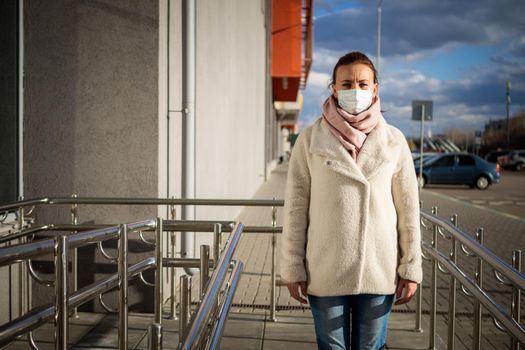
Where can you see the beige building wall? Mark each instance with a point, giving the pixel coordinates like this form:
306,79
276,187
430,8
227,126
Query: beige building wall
230,102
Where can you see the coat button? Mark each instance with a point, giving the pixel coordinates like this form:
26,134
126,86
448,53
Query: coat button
328,162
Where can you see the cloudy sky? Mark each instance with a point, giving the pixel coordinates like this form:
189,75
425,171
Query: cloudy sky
458,53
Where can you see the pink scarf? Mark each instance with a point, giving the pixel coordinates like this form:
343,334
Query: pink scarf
351,130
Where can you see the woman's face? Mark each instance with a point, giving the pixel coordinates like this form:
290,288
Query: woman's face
354,76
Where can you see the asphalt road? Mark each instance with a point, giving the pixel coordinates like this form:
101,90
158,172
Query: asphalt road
507,197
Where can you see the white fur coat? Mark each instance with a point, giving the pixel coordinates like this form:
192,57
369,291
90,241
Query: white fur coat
351,227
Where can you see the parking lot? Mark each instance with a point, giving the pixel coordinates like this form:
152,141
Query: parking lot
507,197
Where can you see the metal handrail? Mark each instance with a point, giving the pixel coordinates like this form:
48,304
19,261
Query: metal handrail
15,253
171,225
441,227
195,333
40,315
471,286
140,201
99,233
487,255
494,308
216,334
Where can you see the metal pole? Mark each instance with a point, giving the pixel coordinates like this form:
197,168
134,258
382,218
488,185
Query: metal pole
421,147
205,269
123,287
378,58
173,301
507,107
274,262
74,261
61,310
188,124
419,308
516,297
155,336
22,268
419,298
185,305
452,290
476,337
433,286
158,271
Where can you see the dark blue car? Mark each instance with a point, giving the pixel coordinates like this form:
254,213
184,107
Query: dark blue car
459,169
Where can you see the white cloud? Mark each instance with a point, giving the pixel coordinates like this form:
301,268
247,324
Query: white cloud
318,79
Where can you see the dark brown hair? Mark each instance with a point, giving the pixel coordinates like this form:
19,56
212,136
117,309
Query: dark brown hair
354,58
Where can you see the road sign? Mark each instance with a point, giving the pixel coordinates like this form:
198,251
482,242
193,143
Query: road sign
421,107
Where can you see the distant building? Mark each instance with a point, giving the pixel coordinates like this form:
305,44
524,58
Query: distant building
495,133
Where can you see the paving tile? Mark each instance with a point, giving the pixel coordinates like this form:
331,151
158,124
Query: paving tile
289,345
290,330
102,336
244,326
242,343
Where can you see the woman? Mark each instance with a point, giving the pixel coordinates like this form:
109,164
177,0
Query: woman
351,235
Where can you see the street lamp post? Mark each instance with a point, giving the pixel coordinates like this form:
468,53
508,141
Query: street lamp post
378,58
507,108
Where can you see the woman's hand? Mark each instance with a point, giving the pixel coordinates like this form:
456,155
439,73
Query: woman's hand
298,291
405,291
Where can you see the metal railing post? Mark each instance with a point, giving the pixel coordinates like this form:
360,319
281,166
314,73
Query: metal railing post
173,301
217,242
217,235
123,287
158,300
516,297
419,298
185,305
476,337
204,269
452,289
22,268
274,262
419,308
433,286
155,336
61,309
74,260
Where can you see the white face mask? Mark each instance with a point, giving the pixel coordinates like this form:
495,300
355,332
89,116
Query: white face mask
355,101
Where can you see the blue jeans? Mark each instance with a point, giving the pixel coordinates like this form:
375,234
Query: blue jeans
369,320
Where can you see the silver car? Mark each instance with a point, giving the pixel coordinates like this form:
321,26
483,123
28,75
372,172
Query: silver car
513,160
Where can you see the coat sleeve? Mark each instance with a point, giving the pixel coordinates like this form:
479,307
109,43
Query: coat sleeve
406,201
295,221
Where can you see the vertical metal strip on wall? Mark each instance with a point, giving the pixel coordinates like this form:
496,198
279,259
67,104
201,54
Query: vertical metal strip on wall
21,98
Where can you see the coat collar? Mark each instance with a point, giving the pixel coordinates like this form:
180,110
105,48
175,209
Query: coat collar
375,153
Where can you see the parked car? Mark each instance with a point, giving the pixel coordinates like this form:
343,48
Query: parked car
513,160
459,169
492,156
